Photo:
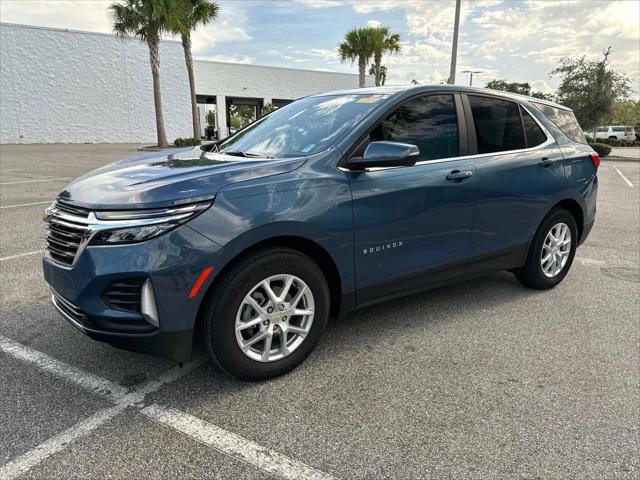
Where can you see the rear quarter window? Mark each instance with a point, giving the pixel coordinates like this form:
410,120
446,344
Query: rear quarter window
565,120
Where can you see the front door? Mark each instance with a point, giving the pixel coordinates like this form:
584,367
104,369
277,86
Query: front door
412,224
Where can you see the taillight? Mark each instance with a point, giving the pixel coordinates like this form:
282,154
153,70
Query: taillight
595,158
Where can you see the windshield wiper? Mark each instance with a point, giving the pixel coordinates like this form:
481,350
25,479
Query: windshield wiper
240,153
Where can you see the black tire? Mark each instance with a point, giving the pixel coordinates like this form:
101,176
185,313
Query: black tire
224,302
531,273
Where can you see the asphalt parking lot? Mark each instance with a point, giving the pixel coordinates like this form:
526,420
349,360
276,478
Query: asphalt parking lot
480,380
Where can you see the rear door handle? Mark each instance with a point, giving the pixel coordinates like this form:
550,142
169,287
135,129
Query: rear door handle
545,162
459,175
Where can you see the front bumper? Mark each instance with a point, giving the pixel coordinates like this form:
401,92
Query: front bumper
172,263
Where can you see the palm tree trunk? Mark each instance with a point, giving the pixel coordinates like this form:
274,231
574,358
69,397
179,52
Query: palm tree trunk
362,65
188,58
377,62
153,40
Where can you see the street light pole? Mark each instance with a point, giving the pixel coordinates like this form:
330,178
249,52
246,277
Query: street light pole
454,46
471,72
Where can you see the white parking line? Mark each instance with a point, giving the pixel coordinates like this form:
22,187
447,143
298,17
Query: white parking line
11,170
36,181
234,445
55,444
86,380
622,176
20,255
25,204
223,441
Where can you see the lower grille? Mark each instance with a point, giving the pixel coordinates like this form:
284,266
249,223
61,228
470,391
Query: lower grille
124,295
71,311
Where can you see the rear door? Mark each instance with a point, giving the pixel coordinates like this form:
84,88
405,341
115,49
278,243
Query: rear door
412,224
520,172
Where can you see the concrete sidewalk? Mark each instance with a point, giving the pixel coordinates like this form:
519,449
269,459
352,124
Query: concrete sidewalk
624,154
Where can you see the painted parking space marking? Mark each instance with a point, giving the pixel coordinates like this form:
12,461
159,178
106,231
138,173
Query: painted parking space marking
217,438
37,181
20,255
91,383
11,170
25,462
25,204
622,176
234,445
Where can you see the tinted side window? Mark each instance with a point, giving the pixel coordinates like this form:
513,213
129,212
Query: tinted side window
565,120
497,123
428,122
618,129
532,131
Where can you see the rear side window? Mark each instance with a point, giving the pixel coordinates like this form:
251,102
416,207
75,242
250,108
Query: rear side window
532,131
429,122
565,120
497,124
618,129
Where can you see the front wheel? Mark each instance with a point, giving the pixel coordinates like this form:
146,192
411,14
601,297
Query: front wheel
551,252
268,314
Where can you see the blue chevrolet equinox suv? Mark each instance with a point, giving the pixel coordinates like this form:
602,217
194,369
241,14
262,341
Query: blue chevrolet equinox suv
332,203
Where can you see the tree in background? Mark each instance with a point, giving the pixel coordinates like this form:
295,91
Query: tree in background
211,118
516,87
146,20
187,16
268,108
590,88
357,46
383,41
383,73
625,112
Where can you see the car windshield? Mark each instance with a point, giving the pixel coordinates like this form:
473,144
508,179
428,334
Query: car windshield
304,127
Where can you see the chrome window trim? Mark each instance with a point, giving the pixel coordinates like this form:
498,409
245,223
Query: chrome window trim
544,144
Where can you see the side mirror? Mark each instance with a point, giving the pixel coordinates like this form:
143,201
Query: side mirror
386,154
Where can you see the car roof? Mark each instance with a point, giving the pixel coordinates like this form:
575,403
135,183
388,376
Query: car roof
388,91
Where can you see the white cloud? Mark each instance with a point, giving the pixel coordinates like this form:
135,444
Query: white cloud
374,23
320,3
227,58
87,16
326,54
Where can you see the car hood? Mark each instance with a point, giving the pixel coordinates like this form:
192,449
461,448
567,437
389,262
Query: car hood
167,178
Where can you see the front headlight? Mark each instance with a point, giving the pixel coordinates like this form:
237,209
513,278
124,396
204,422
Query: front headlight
133,226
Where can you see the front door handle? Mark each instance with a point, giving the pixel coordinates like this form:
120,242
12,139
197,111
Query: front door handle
459,175
545,162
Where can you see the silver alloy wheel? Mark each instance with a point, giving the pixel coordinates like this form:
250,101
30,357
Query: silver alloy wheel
274,318
555,250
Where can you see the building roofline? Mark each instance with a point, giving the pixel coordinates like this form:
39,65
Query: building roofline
270,66
165,40
70,30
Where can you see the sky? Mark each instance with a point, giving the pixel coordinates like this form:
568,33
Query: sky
515,40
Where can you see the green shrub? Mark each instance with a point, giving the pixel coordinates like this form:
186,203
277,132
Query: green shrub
601,149
614,142
186,142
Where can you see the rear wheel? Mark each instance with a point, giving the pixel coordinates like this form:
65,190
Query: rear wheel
551,252
267,315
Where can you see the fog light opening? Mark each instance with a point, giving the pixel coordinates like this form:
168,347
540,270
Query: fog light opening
148,304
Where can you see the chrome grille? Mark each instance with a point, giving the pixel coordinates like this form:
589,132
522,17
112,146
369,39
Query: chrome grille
67,230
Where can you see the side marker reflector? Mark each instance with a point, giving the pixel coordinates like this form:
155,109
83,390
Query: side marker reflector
201,279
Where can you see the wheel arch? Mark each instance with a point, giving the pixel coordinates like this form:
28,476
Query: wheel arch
574,208
304,245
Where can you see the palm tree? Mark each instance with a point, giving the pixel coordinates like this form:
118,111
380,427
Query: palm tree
187,17
383,42
146,20
357,45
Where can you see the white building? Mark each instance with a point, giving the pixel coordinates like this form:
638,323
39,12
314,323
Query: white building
62,86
